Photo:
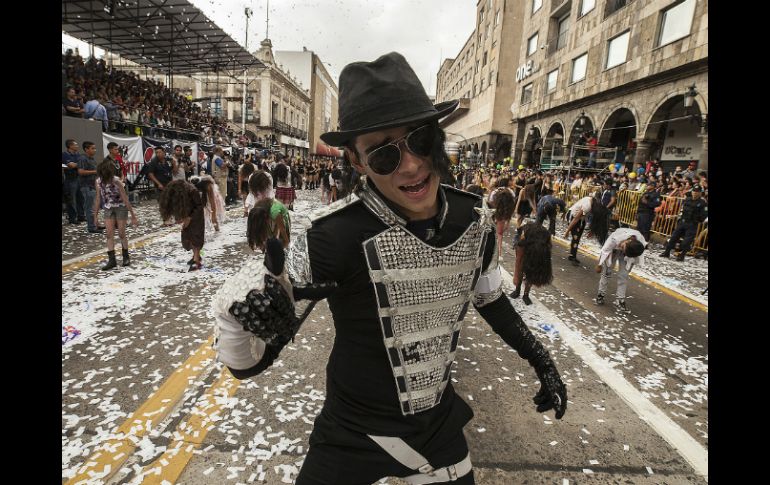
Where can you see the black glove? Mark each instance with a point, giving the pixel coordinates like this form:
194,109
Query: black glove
508,324
553,392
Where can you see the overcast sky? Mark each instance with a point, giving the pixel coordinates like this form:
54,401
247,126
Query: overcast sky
345,31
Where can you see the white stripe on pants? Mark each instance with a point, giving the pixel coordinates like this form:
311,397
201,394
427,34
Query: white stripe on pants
617,256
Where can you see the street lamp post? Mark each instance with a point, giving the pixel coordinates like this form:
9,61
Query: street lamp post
247,11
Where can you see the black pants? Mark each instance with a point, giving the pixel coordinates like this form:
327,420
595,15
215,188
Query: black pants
339,456
232,190
577,233
644,224
686,229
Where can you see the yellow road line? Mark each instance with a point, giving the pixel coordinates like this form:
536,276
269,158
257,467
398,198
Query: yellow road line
110,455
644,280
170,465
134,245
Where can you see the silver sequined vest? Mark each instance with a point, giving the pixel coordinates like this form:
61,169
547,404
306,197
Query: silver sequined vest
422,295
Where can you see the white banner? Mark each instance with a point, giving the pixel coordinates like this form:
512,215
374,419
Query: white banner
130,148
288,140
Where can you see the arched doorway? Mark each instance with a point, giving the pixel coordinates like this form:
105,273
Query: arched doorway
503,149
673,134
533,145
581,126
619,132
483,153
553,147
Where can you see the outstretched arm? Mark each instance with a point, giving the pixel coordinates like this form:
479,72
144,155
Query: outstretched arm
496,309
506,323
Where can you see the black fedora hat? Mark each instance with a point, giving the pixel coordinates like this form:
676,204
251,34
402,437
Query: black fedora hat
382,94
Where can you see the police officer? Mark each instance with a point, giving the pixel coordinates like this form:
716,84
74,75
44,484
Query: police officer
645,212
694,211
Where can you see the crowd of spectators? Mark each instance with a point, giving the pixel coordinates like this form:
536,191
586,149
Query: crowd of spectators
128,104
656,193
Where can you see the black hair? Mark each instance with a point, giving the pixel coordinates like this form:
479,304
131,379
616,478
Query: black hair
600,220
474,189
202,184
258,224
111,144
69,143
177,146
160,147
281,172
536,241
87,145
634,248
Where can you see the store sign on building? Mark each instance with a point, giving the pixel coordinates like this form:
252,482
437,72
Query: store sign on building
684,145
524,71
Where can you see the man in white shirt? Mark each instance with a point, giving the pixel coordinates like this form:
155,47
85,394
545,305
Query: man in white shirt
624,246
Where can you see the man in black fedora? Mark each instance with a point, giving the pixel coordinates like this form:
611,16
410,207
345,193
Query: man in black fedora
399,260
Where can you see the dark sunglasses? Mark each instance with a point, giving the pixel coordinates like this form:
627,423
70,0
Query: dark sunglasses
386,159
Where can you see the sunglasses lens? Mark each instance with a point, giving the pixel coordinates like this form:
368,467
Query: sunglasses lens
420,141
384,160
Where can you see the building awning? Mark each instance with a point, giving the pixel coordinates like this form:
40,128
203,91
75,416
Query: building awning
325,150
169,36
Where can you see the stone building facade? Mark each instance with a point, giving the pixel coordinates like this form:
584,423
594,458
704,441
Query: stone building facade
324,95
481,76
278,105
621,69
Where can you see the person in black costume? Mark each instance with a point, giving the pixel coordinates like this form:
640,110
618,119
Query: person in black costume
399,261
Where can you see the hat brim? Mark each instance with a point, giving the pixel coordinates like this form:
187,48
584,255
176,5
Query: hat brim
338,138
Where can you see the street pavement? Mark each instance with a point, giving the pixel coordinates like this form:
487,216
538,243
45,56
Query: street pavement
144,402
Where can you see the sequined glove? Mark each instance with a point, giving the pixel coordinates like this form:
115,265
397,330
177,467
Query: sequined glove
270,313
553,392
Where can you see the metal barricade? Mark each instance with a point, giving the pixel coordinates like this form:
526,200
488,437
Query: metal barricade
626,206
666,217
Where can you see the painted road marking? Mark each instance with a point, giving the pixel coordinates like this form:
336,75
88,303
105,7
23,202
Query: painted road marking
170,465
108,457
678,294
98,255
692,451
94,256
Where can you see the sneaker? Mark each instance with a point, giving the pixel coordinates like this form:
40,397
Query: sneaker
621,305
599,299
665,254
